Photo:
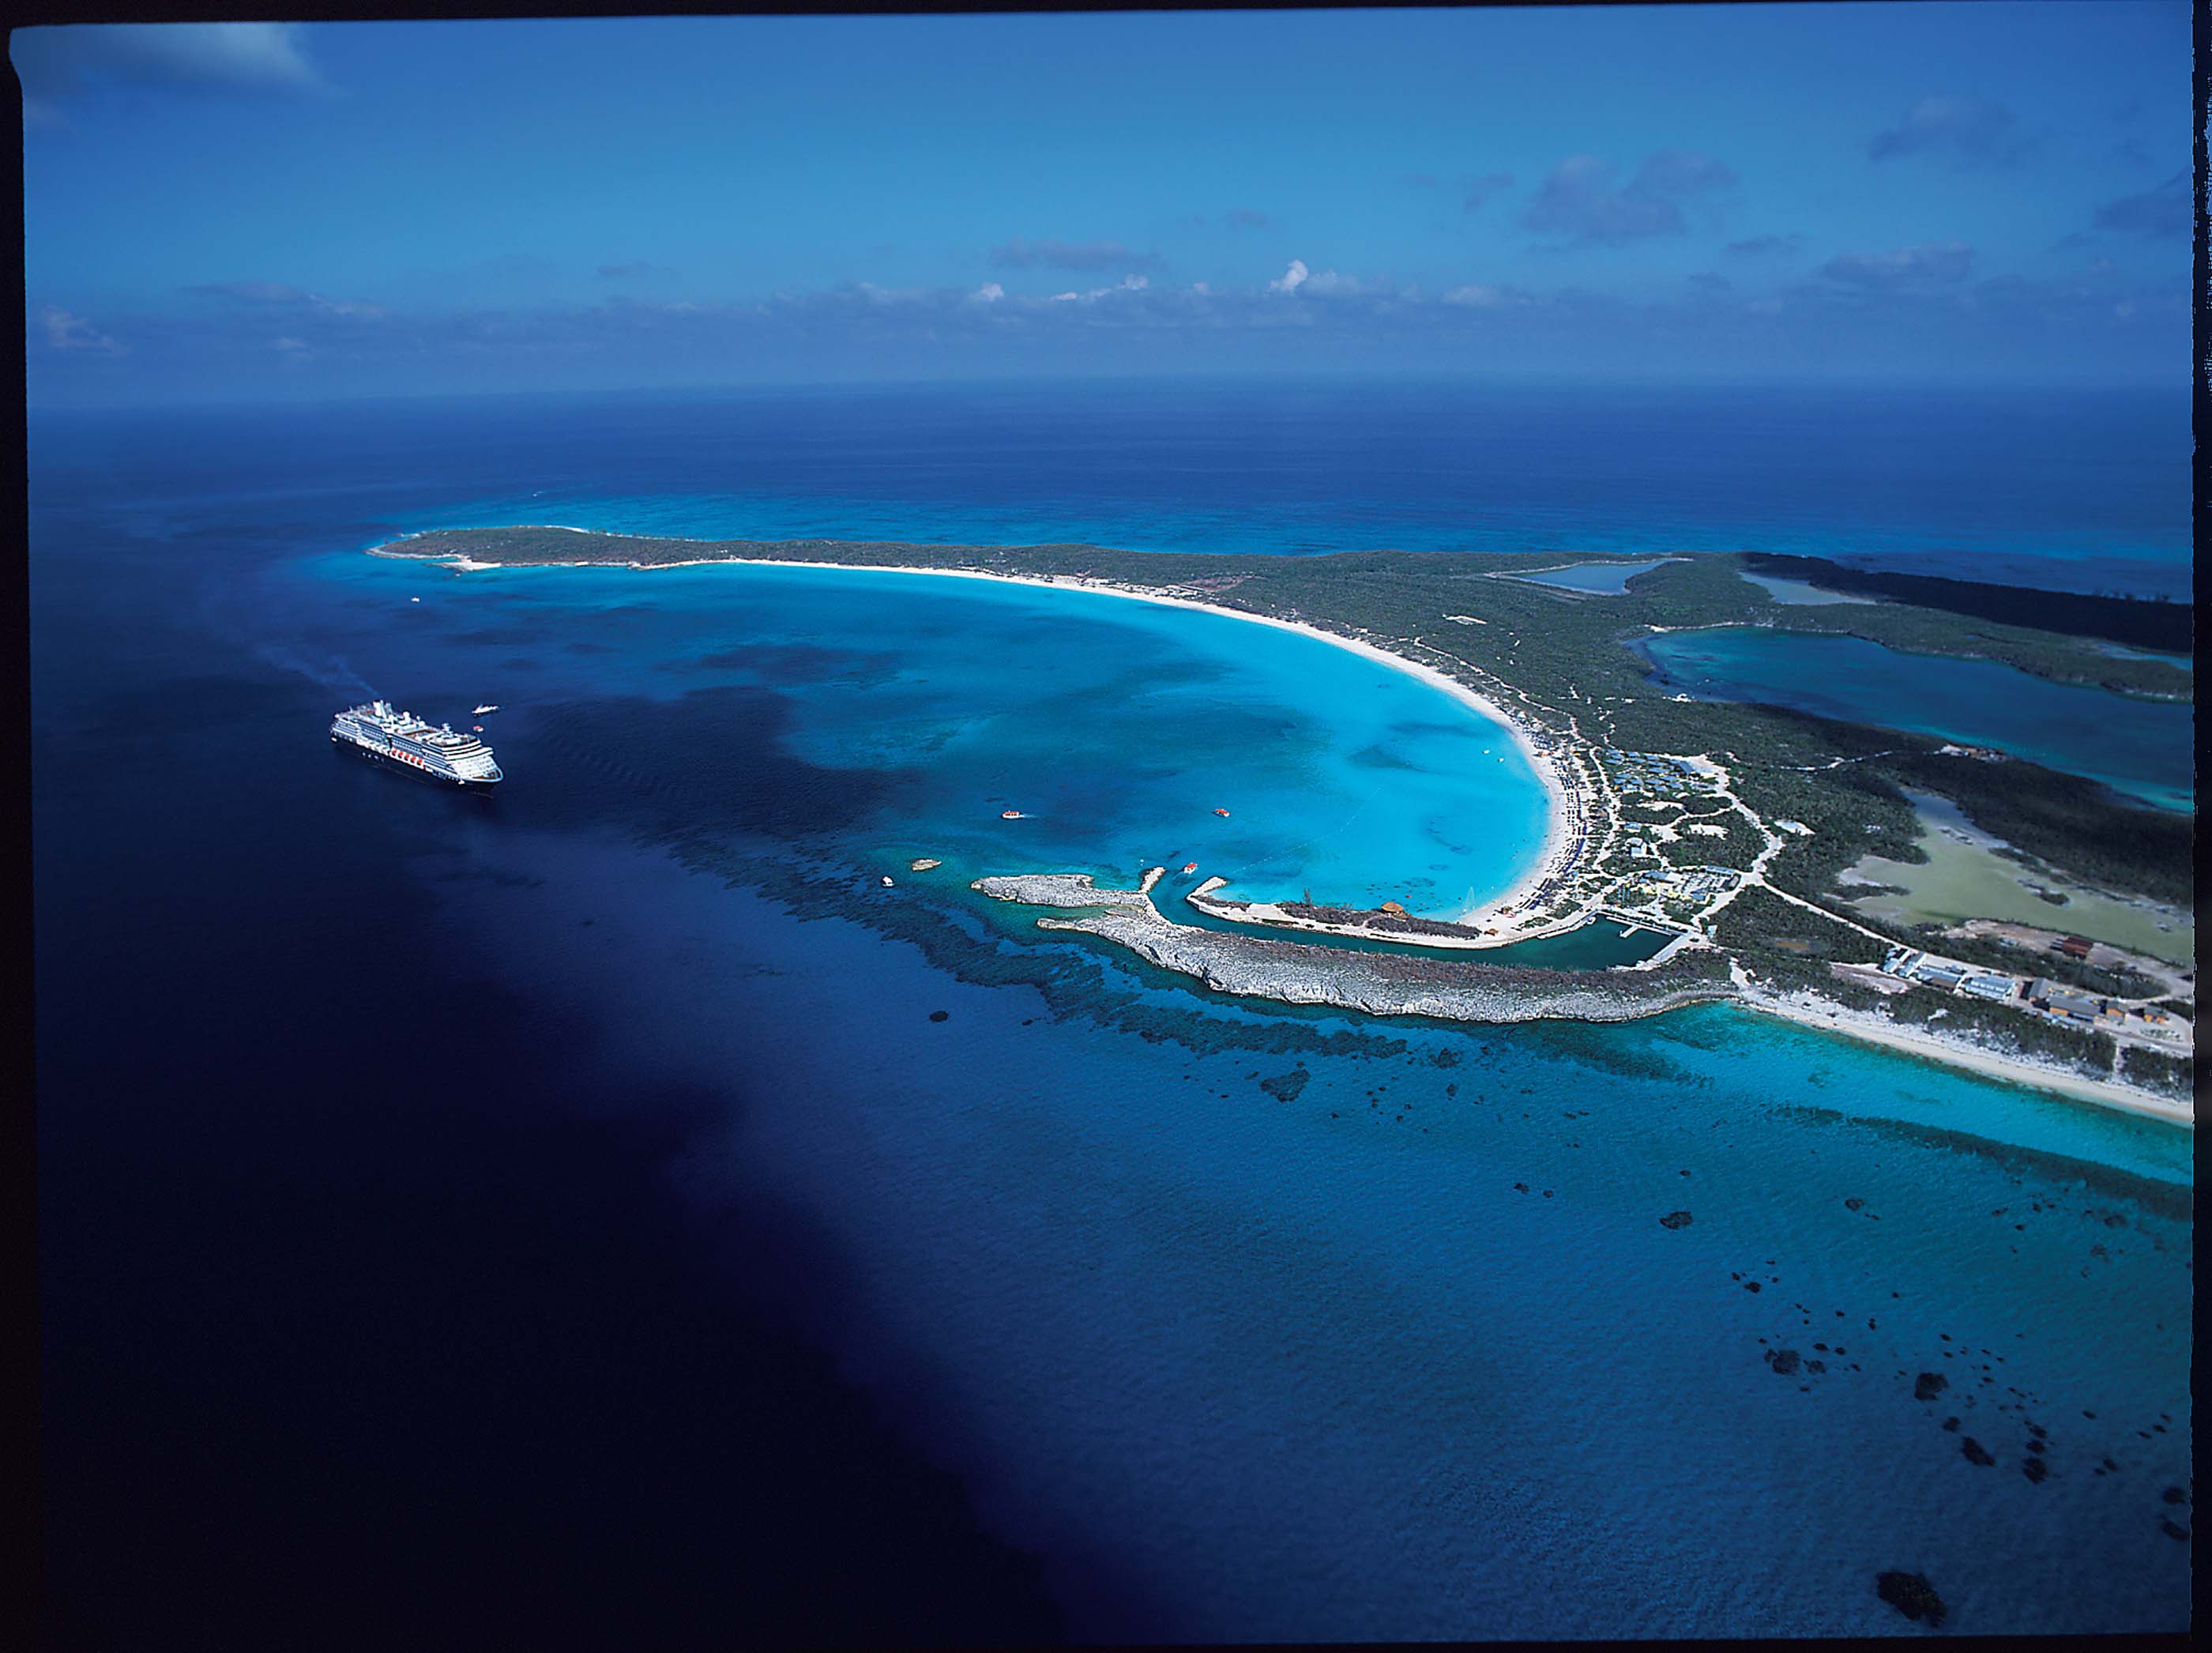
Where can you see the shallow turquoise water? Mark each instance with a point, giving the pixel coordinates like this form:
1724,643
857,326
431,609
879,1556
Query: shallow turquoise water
2141,748
1115,727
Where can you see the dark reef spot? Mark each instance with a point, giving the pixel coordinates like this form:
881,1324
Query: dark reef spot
1975,1454
939,1015
1912,1595
1285,1087
2035,1470
1785,1362
1853,1203
2173,1531
1751,1285
1929,1385
1951,1426
1676,1220
2174,1495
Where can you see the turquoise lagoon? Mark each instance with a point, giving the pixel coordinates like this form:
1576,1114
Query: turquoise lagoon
2143,748
1114,727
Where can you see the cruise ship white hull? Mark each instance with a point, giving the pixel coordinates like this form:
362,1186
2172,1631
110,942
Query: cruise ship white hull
397,761
401,740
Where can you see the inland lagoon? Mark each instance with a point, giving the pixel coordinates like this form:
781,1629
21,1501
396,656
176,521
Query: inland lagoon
2141,748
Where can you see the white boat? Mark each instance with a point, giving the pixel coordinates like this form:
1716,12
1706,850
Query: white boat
481,710
887,878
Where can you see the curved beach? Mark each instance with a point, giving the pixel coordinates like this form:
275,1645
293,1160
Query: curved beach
1548,862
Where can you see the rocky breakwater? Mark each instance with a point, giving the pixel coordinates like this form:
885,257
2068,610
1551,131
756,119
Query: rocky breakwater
1378,984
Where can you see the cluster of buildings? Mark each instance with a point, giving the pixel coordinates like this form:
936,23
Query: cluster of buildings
1950,974
1655,772
2052,1001
1684,884
2074,1008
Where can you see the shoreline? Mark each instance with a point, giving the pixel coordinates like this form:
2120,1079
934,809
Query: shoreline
1554,859
1549,856
1990,1065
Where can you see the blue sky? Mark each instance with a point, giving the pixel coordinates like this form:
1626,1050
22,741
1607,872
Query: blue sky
1980,191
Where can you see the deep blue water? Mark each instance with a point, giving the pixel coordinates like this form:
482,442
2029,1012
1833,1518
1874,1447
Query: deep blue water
560,1217
2075,490
2145,750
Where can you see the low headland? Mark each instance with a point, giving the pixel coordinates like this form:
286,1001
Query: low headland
1728,825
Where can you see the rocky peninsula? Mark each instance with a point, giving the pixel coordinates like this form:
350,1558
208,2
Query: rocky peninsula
1374,983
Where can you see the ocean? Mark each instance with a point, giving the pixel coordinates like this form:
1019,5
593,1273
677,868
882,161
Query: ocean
606,1208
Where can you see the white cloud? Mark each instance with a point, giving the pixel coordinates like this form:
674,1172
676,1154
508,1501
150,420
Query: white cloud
1292,279
1475,296
988,293
67,332
1329,284
276,292
232,57
1127,285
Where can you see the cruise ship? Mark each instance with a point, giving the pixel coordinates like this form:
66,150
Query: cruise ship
404,740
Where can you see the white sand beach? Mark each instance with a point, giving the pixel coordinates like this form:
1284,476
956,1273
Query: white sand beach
1854,1025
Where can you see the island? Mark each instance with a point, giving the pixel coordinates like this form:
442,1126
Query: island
1741,830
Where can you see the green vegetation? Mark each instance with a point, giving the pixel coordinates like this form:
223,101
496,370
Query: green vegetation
2172,1076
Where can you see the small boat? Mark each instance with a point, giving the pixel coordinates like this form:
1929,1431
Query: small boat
1010,815
478,727
887,879
414,599
481,710
1190,867
1221,812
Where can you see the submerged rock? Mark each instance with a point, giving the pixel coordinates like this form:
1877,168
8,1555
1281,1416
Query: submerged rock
939,1015
1853,1203
1785,1362
1929,1385
1972,1449
1676,1220
1912,1595
1285,1087
2034,1469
